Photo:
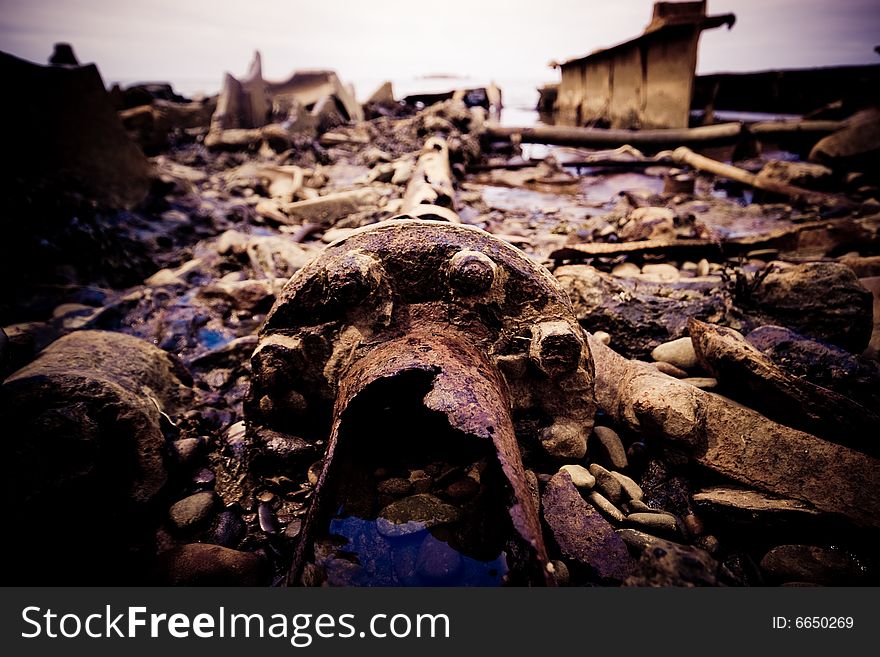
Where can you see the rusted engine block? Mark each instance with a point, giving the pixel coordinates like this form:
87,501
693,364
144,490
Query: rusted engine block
491,329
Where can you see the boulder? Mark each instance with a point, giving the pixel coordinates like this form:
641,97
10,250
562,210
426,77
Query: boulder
85,453
201,564
823,300
855,147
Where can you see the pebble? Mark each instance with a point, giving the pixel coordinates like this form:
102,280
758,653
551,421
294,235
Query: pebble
703,382
606,507
463,489
606,483
413,514
192,510
293,529
396,487
630,488
638,506
603,337
314,472
612,446
670,369
580,476
709,543
636,540
186,450
677,352
626,270
662,273
659,522
266,516
560,572
703,267
693,525
204,478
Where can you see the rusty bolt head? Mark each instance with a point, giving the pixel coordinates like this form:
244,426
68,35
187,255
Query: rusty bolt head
353,278
556,348
471,272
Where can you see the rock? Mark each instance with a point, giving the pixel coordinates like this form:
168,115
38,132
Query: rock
87,416
463,489
395,487
823,300
293,529
664,563
820,363
414,514
186,450
799,174
660,273
582,534
703,267
314,473
602,337
760,384
560,572
326,210
82,151
663,523
631,489
606,483
606,507
626,270
192,511
201,564
227,530
437,562
855,147
808,563
640,314
611,446
648,223
62,55
679,353
580,476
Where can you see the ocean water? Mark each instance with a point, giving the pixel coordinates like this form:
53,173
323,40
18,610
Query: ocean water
519,95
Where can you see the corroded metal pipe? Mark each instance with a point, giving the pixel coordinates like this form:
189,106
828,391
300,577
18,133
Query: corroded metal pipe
497,337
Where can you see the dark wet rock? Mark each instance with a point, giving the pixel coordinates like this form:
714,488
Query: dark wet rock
227,530
192,511
186,450
463,489
821,364
808,563
664,563
396,487
82,151
267,520
204,478
582,533
202,564
610,446
665,489
823,300
640,315
293,529
88,416
413,514
759,383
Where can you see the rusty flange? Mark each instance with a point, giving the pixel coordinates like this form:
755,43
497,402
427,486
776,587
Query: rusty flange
493,328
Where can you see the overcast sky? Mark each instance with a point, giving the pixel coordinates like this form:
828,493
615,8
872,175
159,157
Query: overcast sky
373,39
